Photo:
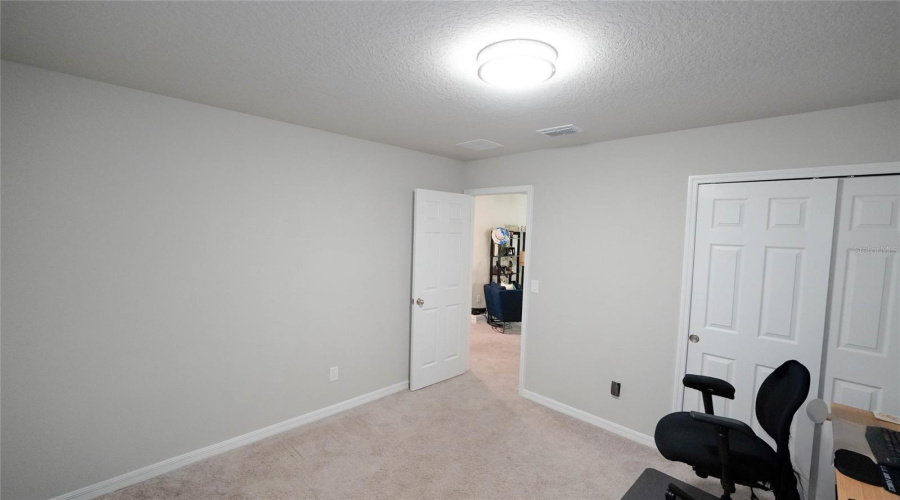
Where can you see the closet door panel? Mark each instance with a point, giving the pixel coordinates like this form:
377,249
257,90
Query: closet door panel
862,366
863,362
760,290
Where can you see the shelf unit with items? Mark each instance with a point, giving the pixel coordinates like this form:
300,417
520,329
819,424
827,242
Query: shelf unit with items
506,264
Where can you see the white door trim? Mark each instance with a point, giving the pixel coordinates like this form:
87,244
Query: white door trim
687,271
528,190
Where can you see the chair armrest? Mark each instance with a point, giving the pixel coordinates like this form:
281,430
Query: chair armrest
711,385
724,426
719,421
511,302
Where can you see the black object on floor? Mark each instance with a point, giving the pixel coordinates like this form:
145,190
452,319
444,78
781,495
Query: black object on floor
857,466
652,485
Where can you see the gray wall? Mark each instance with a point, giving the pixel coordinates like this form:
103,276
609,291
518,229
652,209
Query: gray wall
175,275
611,312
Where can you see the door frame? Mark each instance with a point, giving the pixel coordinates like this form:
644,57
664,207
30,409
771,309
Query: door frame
687,271
528,191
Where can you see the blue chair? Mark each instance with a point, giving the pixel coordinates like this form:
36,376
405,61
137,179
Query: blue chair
503,306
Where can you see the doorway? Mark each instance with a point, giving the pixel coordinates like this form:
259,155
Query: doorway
502,236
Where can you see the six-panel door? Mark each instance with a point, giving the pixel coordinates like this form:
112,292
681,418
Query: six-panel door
761,266
862,368
442,256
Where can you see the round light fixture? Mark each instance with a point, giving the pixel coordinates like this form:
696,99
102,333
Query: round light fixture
516,63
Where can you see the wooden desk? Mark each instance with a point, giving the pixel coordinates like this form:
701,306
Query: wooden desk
851,489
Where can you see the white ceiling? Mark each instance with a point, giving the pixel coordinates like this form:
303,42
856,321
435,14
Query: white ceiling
404,73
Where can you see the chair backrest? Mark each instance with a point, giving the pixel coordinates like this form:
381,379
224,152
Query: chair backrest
780,396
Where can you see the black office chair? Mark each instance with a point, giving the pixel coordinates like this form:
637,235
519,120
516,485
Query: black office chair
728,449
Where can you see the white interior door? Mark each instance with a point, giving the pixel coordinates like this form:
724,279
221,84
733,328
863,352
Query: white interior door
761,267
862,367
442,292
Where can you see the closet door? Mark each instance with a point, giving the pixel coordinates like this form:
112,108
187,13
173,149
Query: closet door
761,267
862,367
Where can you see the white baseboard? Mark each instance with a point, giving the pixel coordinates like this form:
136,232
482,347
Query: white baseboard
584,416
144,473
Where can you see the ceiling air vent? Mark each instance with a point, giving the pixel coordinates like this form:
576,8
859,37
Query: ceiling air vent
561,130
479,145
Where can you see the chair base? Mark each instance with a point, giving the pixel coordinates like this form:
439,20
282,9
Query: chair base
496,324
653,484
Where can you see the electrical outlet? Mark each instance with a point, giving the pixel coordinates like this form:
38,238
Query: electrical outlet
333,374
535,286
478,299
615,389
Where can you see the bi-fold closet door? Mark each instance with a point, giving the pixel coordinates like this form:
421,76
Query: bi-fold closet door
761,294
862,367
762,256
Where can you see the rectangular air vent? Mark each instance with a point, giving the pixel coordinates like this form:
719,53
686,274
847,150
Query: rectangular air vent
479,145
561,130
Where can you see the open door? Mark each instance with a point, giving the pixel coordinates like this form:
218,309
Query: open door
442,293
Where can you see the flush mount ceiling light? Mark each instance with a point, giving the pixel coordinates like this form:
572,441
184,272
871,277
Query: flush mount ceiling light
516,63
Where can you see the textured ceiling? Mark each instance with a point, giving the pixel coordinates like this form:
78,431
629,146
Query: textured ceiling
404,73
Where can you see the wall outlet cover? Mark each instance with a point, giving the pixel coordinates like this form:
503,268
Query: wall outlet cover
333,374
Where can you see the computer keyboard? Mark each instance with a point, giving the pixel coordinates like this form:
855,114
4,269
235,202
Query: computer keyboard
885,445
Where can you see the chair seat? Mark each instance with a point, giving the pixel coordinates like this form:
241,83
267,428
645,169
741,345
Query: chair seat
683,439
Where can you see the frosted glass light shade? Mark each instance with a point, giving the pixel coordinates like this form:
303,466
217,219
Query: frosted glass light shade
516,63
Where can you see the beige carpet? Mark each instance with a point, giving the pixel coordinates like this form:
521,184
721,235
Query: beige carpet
468,437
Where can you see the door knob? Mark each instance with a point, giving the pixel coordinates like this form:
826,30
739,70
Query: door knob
420,302
694,338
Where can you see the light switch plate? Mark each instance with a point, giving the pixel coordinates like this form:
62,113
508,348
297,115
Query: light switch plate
535,286
333,374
